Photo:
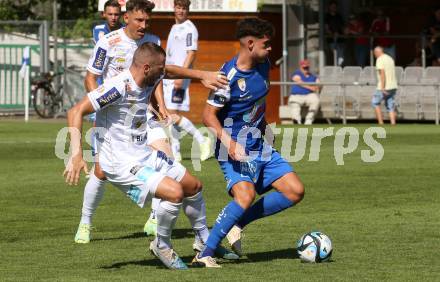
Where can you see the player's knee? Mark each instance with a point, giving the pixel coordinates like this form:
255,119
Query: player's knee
175,193
245,198
192,189
296,191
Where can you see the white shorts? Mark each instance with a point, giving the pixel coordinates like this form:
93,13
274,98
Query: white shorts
155,131
139,181
176,101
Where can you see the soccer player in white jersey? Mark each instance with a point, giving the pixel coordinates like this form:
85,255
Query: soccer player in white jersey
124,157
181,51
112,55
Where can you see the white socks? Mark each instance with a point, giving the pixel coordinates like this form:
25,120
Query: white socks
189,127
167,213
194,208
154,206
93,193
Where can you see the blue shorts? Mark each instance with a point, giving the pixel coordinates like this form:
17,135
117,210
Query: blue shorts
261,173
378,97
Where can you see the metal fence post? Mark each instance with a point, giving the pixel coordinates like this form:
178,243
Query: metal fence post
344,113
437,114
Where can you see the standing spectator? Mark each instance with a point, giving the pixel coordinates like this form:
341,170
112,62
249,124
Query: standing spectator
386,85
379,27
361,48
304,95
434,33
334,28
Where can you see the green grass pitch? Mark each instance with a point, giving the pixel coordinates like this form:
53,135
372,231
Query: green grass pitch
383,218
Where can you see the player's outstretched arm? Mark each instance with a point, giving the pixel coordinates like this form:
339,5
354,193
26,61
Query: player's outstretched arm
235,150
209,79
90,81
75,120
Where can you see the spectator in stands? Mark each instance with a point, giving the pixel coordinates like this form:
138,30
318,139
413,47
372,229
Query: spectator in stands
334,28
356,27
434,33
386,85
304,95
381,26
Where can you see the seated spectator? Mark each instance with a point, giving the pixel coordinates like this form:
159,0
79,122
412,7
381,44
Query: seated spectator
434,33
304,95
381,26
334,28
361,45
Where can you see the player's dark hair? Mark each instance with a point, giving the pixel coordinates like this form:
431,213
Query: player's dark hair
140,5
183,3
148,50
255,27
112,3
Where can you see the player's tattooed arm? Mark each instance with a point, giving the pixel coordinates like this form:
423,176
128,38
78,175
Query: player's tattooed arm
211,80
75,120
235,150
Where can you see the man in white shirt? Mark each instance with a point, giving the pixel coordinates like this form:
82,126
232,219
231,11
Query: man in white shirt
386,85
113,54
181,51
124,157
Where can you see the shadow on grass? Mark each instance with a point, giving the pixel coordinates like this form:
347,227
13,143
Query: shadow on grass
289,253
177,234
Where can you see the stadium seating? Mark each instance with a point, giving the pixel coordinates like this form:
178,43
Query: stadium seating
416,97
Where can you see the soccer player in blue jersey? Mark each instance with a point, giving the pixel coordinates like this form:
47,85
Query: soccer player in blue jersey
250,165
111,14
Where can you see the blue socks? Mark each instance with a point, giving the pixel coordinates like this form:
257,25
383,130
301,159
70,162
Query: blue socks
227,218
270,204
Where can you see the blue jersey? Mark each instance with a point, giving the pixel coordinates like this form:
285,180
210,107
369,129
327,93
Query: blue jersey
99,31
298,90
243,105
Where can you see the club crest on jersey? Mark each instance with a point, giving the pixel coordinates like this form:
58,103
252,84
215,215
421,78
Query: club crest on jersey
109,97
98,63
101,34
242,84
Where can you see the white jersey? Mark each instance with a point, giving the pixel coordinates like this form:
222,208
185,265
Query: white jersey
121,122
113,53
182,38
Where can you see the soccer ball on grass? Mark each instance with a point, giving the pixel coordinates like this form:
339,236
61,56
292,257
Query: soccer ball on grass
314,247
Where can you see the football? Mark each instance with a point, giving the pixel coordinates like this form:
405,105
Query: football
314,247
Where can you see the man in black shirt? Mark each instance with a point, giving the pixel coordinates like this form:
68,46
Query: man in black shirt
334,27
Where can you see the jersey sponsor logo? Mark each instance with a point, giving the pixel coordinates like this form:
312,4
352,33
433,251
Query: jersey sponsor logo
241,84
109,97
100,89
98,63
120,60
135,169
163,156
189,39
114,41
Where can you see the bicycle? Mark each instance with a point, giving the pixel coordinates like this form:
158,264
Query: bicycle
46,101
